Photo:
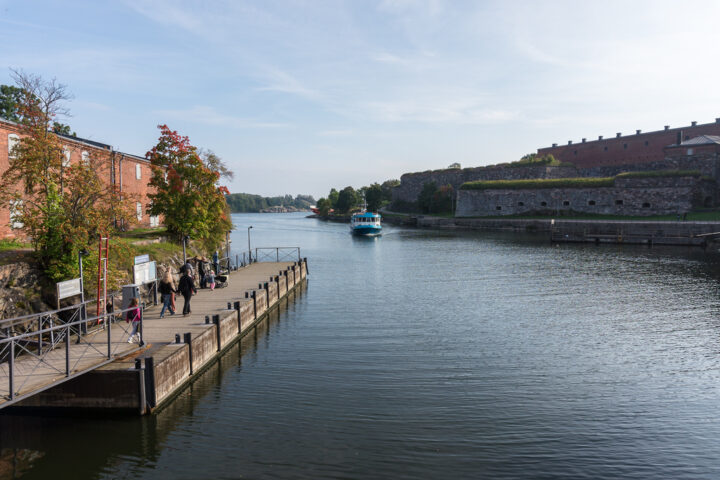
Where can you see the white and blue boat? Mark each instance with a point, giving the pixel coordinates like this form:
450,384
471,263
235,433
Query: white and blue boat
365,223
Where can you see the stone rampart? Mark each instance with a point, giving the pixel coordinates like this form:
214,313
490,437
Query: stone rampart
629,196
412,183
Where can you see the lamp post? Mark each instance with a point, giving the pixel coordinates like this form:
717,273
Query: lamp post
249,251
185,239
227,248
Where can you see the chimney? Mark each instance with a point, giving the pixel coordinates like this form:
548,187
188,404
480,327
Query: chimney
599,137
583,141
637,132
693,124
667,127
554,144
679,137
569,142
618,135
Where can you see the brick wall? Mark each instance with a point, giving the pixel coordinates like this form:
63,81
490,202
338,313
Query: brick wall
626,149
107,163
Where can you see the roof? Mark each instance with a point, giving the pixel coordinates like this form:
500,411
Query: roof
85,141
702,140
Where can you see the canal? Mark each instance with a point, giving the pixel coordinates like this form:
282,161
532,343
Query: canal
426,354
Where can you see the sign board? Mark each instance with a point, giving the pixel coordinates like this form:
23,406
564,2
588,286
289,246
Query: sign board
144,273
142,259
68,288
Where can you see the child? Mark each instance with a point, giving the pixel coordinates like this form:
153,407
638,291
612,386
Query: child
210,279
134,315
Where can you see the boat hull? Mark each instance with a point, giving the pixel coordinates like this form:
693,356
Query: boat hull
366,230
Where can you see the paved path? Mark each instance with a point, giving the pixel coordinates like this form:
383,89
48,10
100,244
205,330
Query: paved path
32,374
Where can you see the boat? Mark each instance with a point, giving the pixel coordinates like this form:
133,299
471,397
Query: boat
365,223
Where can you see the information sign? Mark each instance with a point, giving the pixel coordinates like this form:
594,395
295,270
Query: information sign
68,288
144,273
142,259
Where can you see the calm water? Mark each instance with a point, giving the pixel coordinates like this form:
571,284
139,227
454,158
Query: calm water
435,355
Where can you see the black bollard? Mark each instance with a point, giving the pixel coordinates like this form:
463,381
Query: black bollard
177,338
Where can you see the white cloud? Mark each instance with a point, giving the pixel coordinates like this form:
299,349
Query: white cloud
209,116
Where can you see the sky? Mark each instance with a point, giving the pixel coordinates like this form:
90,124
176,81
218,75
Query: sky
298,96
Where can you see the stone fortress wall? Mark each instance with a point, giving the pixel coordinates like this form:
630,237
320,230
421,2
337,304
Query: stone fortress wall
663,150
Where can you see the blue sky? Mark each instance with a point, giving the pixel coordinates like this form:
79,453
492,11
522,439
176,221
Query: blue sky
301,96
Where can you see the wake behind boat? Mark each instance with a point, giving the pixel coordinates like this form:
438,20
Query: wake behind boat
365,223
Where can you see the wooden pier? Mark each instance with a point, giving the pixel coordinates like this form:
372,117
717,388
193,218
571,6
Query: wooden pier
176,348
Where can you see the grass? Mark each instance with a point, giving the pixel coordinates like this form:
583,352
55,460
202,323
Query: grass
6,245
661,173
583,182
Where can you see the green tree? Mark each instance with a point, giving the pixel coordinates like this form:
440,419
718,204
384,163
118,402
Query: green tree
426,197
61,209
387,188
333,197
374,197
347,199
10,99
443,200
187,193
323,206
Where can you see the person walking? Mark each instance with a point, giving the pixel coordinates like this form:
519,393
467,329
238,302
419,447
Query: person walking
134,315
167,290
210,279
187,287
216,261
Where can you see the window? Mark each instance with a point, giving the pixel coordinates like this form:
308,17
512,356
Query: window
574,152
12,141
543,204
498,207
85,156
138,171
165,175
154,220
647,143
138,208
591,202
618,202
566,203
689,151
625,146
605,149
646,205
66,157
15,211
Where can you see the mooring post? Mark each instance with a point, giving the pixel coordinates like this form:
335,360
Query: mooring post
254,297
236,305
187,337
216,321
150,382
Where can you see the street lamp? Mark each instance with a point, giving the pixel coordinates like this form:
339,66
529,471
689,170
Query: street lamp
249,251
185,239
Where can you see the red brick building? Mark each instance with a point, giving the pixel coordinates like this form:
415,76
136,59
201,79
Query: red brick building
130,173
627,149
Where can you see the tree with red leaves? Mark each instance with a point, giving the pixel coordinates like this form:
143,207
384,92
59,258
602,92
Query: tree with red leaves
187,193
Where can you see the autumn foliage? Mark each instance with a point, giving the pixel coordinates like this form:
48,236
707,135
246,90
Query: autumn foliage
187,193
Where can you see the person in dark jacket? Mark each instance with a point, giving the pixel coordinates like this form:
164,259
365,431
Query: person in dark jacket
167,290
187,287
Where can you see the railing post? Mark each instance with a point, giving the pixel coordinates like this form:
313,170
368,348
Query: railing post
236,306
109,338
140,330
67,351
40,335
12,369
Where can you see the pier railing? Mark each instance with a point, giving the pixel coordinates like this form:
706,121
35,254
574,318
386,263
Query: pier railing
34,360
277,254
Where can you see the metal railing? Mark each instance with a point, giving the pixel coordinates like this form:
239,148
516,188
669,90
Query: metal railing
34,349
277,254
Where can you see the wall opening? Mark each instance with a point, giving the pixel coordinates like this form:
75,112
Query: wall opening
566,203
618,202
708,202
591,202
543,204
521,204
646,205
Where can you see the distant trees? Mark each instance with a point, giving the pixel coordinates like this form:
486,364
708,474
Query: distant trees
436,200
245,202
10,99
376,195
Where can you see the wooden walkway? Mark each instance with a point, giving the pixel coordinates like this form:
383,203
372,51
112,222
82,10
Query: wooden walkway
33,374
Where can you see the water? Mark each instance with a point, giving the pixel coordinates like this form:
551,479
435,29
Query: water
435,355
